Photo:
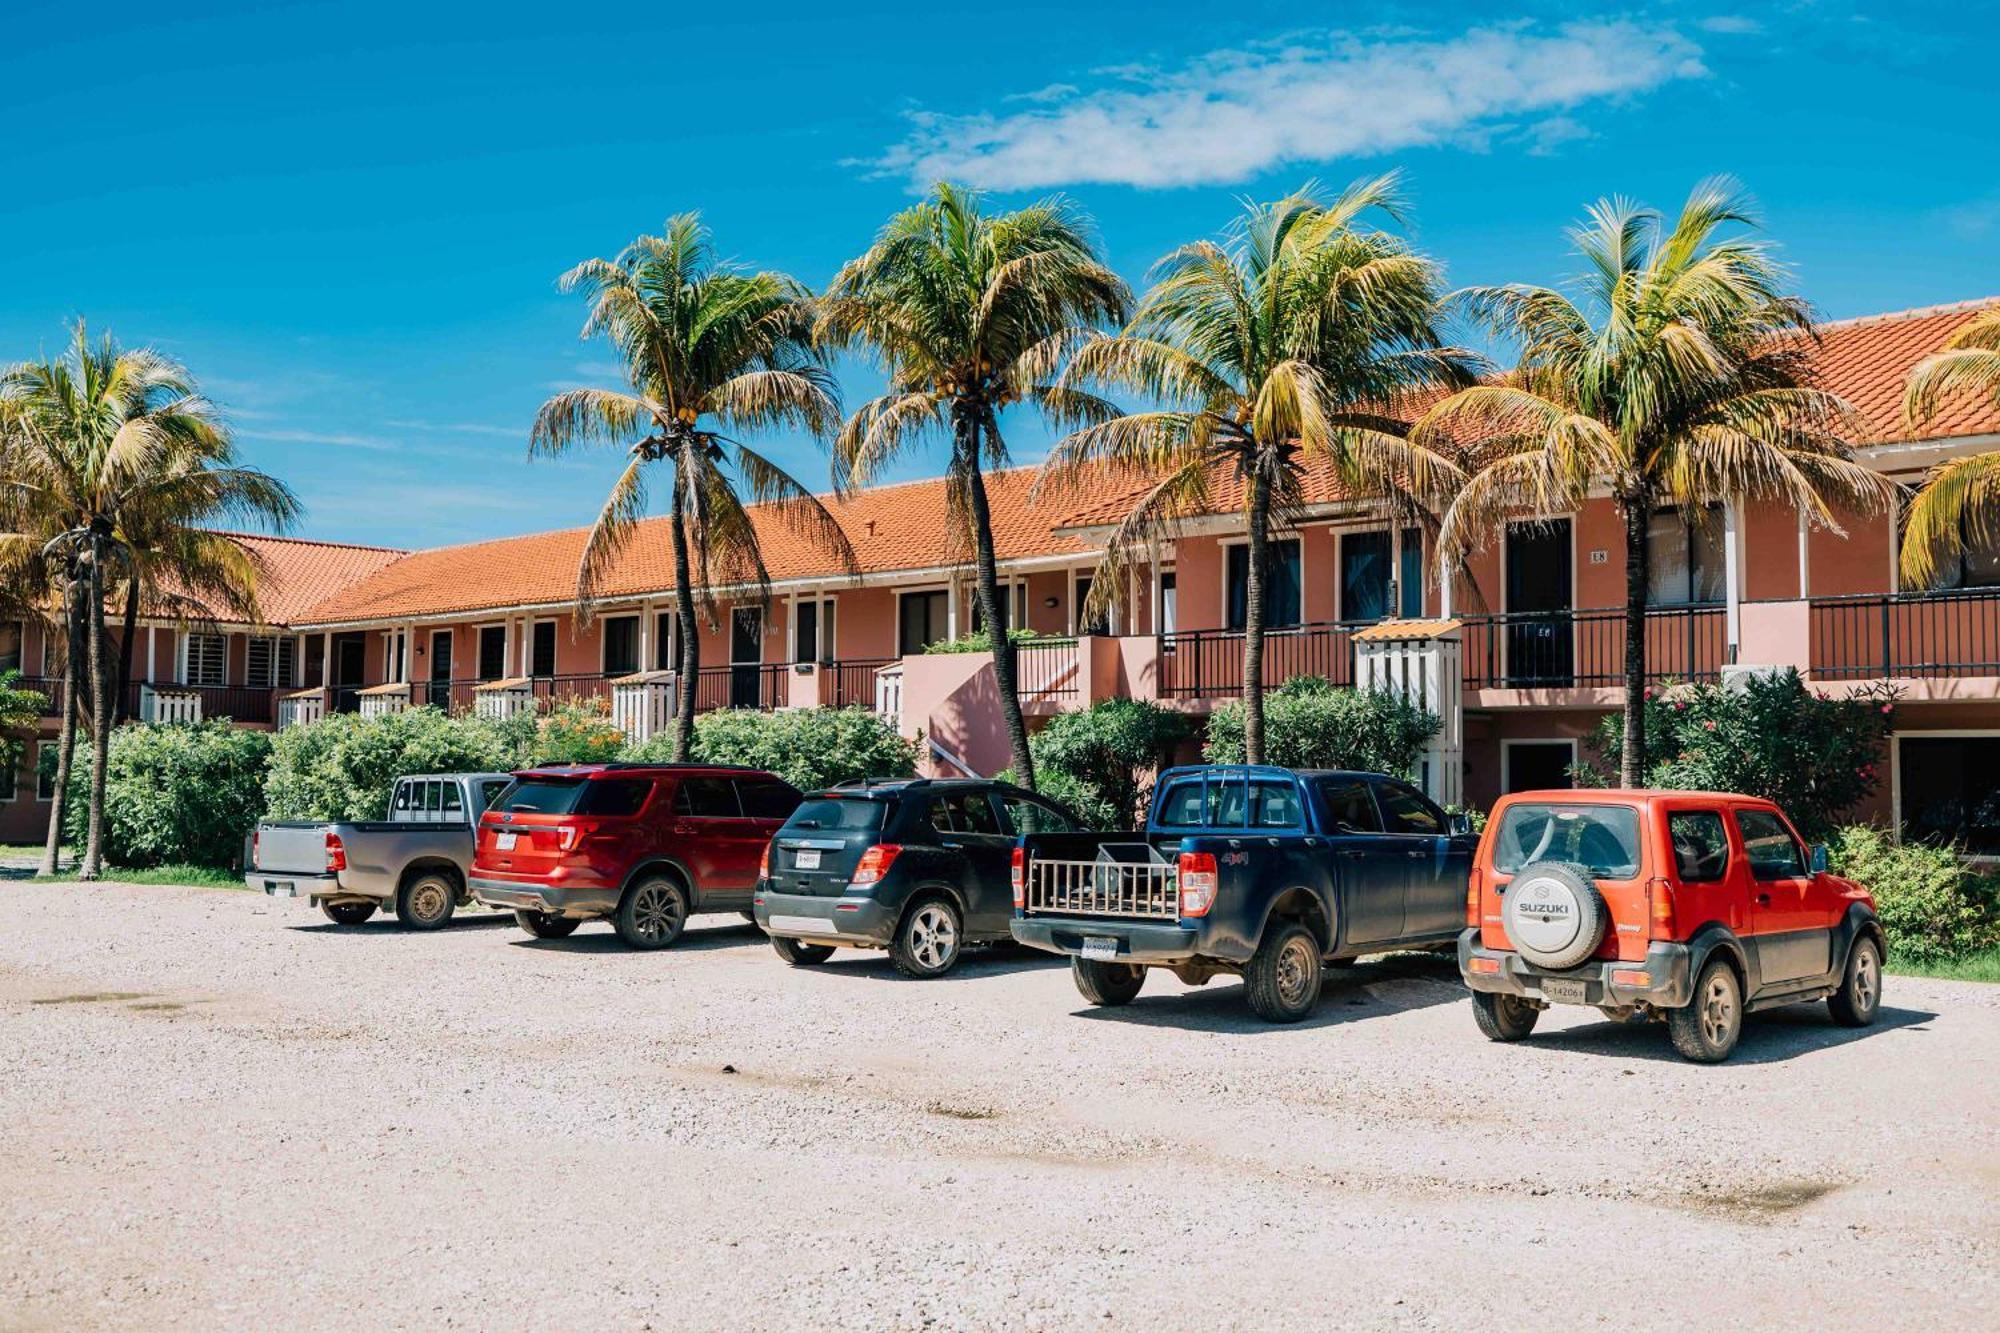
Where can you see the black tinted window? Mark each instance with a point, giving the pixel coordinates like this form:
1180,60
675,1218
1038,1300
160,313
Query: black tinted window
707,796
1701,848
765,798
489,792
1274,805
614,796
850,815
1773,852
1182,805
540,796
1026,816
1404,810
963,812
1350,808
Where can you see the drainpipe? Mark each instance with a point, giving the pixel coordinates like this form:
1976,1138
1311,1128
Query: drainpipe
1732,575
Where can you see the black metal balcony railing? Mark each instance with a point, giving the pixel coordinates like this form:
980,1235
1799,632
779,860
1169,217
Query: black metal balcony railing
1917,634
1555,650
851,681
50,688
1208,663
1047,669
763,685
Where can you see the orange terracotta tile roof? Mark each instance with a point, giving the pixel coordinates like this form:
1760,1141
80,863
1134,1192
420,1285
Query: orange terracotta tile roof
1868,360
299,574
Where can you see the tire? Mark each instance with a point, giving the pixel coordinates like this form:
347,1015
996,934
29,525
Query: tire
546,925
1283,976
1553,914
1106,984
1859,998
800,954
427,900
1503,1017
652,913
347,914
929,938
1706,1030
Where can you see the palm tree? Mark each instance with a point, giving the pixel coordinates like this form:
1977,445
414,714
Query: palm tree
707,349
1680,376
1294,343
117,464
1957,499
969,313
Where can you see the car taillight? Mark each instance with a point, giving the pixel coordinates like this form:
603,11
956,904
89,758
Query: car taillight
764,863
875,863
1472,899
336,852
1198,883
1662,895
256,844
1019,874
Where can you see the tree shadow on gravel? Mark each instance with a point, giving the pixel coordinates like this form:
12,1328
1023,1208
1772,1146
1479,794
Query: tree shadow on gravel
979,960
1770,1037
702,934
1390,984
385,923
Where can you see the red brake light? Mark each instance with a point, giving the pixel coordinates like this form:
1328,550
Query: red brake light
336,852
1019,874
875,862
256,844
1661,895
764,863
1199,882
1472,886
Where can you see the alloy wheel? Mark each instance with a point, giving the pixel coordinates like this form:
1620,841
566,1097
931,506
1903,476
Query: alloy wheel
1718,1009
1867,981
933,936
656,912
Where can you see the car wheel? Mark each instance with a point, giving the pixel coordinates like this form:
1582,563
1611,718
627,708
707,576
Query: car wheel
1283,976
347,914
652,913
1503,1017
927,943
1855,1004
800,954
546,925
1706,1030
1106,983
426,901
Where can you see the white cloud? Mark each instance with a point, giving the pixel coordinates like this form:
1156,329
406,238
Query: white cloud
1734,25
461,428
1233,114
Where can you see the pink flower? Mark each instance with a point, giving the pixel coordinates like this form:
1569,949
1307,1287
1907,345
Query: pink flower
1888,709
1709,725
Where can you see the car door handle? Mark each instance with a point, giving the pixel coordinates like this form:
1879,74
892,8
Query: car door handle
954,846
684,830
1417,855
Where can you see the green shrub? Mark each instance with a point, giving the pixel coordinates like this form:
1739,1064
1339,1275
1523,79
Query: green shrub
807,747
575,733
979,642
1309,723
20,710
174,793
343,766
1934,909
1098,761
1770,736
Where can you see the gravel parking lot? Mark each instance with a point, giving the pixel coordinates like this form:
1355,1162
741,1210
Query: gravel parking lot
218,1111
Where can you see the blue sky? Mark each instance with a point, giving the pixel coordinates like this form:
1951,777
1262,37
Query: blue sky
348,219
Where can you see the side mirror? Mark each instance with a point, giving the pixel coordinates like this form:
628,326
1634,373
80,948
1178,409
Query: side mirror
1818,854
1458,824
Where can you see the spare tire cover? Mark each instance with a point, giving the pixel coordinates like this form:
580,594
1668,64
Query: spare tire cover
1553,914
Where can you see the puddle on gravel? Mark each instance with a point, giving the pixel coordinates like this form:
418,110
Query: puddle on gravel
1762,1203
957,1112
96,997
159,1007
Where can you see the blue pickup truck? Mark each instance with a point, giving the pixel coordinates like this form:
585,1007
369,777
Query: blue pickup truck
1267,872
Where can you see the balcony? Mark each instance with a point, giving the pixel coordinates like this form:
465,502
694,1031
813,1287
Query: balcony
1586,649
1911,636
1207,664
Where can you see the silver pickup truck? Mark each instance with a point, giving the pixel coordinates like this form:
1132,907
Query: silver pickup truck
415,860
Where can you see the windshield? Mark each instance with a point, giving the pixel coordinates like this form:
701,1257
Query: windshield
843,815
540,796
1602,838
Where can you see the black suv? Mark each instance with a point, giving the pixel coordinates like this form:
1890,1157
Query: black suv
921,868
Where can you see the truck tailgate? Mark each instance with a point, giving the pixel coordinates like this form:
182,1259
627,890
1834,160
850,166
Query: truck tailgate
1097,875
296,848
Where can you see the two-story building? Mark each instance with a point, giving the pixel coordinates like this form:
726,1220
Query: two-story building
1536,619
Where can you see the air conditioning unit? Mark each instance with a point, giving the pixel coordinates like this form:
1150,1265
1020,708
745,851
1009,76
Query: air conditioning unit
1738,675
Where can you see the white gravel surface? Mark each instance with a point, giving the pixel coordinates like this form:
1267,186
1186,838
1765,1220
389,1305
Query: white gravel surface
220,1112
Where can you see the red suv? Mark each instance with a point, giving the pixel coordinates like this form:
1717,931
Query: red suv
642,844
1692,907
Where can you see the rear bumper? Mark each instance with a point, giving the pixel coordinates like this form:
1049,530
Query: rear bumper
1665,968
313,888
582,904
1138,941
849,920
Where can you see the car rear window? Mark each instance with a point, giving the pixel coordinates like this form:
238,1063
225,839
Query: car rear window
540,796
766,798
838,814
1602,838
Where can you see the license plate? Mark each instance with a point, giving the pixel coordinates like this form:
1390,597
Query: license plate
281,888
1566,990
504,842
808,858
1097,947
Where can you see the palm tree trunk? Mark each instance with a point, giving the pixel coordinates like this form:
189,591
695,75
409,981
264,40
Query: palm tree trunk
1632,756
690,667
1005,678
100,717
1253,623
66,741
131,627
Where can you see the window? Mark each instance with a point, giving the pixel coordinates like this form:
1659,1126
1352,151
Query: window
1088,621
542,649
847,814
1976,564
710,798
1685,558
1701,848
271,661
13,647
1013,605
540,796
968,811
1169,603
665,656
920,621
45,771
1193,803
10,772
621,645
1281,583
1772,850
1365,582
454,804
1404,810
489,792
1539,765
765,799
207,656
1274,805
615,797
1349,806
805,636
492,652
1410,574
1021,815
1951,791
1604,839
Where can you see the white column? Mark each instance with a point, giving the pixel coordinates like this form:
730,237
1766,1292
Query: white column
409,651
951,609
1732,572
152,654
1805,565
